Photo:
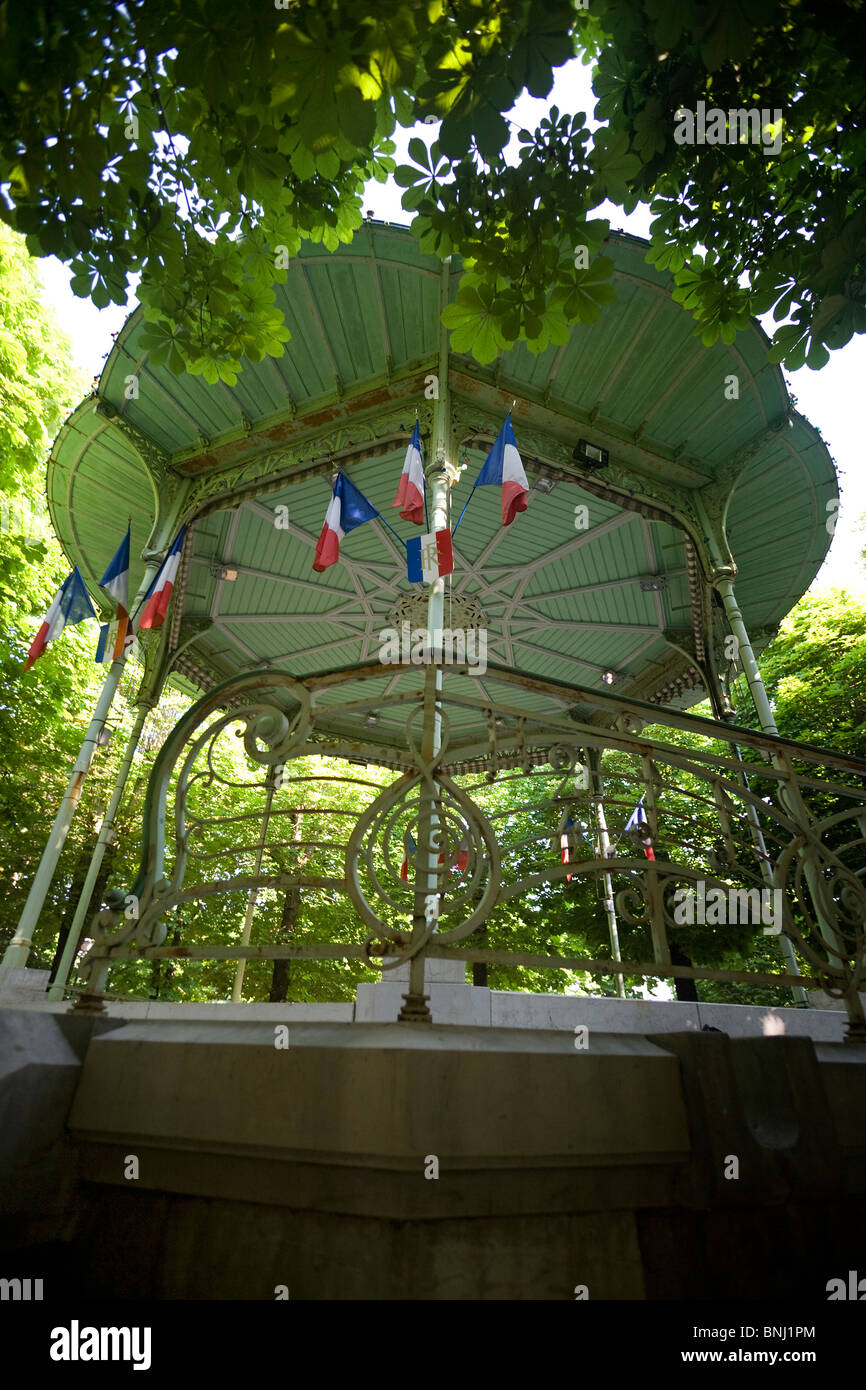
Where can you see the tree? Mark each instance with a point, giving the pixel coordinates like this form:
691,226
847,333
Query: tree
199,145
38,387
784,213
41,713
815,672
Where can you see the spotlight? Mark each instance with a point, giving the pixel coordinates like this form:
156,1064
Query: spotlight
609,677
544,484
654,584
592,456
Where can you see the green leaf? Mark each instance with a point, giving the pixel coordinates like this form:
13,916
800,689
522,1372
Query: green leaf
614,163
591,292
490,130
418,152
405,175
474,328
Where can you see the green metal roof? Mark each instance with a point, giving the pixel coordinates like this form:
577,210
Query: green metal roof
559,602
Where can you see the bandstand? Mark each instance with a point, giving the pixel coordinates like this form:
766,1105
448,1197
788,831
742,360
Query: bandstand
678,508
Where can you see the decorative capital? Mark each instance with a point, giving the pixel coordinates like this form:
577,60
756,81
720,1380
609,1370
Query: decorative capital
156,460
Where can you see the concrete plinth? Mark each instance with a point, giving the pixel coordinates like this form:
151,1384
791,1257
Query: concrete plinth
20,984
451,999
390,1161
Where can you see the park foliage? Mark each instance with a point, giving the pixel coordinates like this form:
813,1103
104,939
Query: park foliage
197,146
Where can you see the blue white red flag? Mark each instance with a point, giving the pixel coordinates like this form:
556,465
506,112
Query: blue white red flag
565,844
637,825
429,557
504,469
159,594
461,863
410,491
115,582
410,848
347,509
106,646
71,605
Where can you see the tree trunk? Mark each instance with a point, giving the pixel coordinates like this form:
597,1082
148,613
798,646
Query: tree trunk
685,990
479,967
281,973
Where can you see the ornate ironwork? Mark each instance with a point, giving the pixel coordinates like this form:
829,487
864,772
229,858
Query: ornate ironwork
721,822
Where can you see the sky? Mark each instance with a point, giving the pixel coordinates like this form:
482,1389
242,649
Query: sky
828,398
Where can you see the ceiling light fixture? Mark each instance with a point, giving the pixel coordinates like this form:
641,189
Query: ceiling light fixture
592,456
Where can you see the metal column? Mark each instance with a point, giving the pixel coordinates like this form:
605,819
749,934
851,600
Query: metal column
441,475
254,892
63,970
594,762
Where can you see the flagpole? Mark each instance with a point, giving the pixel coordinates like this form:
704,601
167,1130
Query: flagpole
70,948
594,768
443,474
463,513
18,950
390,527
424,481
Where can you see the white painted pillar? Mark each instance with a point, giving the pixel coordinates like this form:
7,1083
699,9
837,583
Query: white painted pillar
72,941
18,950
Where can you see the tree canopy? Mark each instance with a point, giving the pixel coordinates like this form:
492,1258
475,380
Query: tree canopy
815,672
197,145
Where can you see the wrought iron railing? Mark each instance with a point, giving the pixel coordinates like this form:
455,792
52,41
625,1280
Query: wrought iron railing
731,819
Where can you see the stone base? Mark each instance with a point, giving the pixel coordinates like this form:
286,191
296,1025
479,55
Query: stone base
464,1004
22,985
388,1161
451,1000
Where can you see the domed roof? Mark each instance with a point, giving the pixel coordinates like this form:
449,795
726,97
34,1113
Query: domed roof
606,572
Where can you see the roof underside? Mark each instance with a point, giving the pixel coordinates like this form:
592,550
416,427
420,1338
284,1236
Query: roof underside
559,602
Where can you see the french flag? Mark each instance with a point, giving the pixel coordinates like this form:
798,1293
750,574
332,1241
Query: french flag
461,863
429,557
71,605
410,493
159,595
410,848
106,646
504,469
347,509
565,844
638,826
115,582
